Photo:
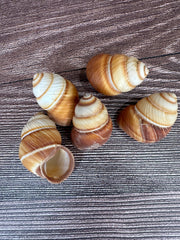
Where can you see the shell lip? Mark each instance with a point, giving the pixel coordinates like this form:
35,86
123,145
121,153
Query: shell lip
43,167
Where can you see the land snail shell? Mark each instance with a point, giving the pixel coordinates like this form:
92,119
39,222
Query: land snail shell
92,123
56,95
41,152
112,75
151,118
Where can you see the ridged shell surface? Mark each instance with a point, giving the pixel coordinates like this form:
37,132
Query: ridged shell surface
38,139
92,124
56,95
112,75
37,122
159,109
40,150
151,118
90,114
138,128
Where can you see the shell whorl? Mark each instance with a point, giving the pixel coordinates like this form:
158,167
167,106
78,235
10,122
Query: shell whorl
48,88
38,122
151,118
92,124
127,72
159,109
39,138
41,152
57,95
90,114
112,75
138,128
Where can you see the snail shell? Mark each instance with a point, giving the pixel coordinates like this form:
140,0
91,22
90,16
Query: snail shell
112,75
56,95
151,118
92,124
41,152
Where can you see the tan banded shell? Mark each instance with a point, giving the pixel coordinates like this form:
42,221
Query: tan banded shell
138,128
41,152
56,95
112,75
159,109
92,124
90,114
151,118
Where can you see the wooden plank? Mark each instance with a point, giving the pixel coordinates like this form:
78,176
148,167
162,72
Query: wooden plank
63,35
120,166
131,216
123,190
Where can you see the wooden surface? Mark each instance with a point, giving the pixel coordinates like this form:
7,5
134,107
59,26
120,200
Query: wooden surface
123,190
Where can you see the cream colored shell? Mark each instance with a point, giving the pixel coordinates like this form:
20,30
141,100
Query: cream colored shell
37,122
56,95
159,109
92,123
90,114
41,151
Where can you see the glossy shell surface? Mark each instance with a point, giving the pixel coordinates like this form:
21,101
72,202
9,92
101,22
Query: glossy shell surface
151,118
41,152
56,95
159,109
112,75
138,128
92,124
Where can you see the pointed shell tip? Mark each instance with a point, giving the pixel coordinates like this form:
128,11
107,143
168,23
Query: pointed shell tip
146,70
35,76
87,95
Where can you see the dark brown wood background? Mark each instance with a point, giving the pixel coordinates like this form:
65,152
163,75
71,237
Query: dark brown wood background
123,190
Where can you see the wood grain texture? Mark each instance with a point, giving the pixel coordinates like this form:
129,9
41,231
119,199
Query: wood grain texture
63,35
123,190
131,216
122,165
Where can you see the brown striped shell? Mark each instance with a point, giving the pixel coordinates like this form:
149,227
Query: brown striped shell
151,118
41,152
112,75
56,95
92,124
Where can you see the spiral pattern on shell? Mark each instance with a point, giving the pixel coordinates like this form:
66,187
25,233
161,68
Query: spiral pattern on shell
56,95
92,124
159,109
41,152
151,118
112,75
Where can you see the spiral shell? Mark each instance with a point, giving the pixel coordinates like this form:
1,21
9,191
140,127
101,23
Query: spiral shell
56,95
112,75
92,124
41,152
151,118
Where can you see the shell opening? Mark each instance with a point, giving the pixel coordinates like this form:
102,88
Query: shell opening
59,166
